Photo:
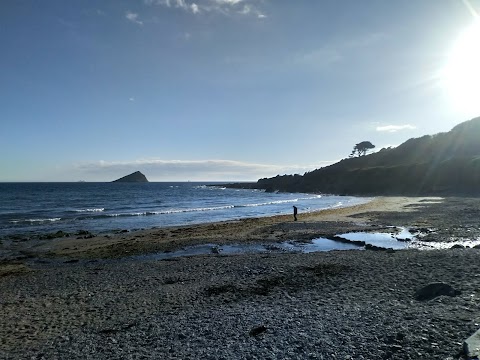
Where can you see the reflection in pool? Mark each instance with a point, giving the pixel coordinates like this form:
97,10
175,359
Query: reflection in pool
320,244
393,240
397,239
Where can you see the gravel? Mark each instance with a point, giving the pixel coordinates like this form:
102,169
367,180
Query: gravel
60,300
332,305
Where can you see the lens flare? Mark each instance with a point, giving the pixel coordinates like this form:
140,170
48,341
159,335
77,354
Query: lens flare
462,72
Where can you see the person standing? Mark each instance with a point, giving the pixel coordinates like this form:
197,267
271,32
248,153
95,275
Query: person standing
295,212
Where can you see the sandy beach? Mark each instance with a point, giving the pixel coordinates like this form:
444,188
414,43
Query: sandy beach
85,297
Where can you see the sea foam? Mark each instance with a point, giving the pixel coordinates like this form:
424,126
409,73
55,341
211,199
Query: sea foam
90,210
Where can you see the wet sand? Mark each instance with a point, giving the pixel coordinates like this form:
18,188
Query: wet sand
266,229
82,299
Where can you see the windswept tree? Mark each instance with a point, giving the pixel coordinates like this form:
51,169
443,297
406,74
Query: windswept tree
361,149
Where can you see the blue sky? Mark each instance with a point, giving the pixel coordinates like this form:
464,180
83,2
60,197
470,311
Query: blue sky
218,89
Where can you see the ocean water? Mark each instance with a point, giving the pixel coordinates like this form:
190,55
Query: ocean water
32,209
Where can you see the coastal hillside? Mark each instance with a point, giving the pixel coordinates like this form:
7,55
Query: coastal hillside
135,177
441,164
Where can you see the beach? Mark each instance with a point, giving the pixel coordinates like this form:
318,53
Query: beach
84,297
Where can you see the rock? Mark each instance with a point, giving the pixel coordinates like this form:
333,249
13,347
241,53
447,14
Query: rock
257,330
471,346
346,241
71,261
374,247
434,290
457,246
55,235
136,177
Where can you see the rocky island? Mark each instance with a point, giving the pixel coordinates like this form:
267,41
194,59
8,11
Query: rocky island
136,177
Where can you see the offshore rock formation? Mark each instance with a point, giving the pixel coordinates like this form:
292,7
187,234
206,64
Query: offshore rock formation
441,164
136,177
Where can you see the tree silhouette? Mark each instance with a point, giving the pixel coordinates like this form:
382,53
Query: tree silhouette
361,148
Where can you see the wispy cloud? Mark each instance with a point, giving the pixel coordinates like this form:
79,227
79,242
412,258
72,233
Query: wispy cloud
395,128
230,2
133,17
364,40
226,7
178,170
195,9
248,9
319,58
337,50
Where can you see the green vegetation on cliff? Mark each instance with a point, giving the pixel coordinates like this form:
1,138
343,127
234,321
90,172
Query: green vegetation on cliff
441,164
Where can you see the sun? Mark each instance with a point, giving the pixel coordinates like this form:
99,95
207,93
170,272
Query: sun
462,72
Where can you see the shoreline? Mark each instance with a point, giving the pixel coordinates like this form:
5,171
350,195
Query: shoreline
39,235
378,214
86,299
100,220
248,230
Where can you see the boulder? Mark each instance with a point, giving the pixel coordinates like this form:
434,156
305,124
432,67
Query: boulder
434,290
471,346
257,330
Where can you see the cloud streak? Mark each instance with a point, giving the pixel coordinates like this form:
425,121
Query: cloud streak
183,170
319,58
226,7
133,17
337,51
395,128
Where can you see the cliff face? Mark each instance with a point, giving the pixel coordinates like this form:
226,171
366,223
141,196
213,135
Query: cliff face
441,164
136,177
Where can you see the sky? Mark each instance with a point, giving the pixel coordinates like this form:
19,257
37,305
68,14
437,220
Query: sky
226,90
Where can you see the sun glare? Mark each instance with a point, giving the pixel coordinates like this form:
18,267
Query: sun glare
462,73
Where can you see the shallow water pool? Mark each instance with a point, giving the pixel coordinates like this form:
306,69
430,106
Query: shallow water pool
393,240
398,239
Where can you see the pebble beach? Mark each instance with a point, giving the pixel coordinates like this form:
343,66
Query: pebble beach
96,298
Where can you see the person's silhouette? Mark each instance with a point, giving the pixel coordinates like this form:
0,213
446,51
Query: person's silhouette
295,212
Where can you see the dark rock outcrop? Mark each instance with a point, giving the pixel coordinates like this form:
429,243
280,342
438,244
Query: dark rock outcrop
136,177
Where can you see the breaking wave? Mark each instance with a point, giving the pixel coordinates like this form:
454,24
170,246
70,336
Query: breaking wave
35,220
49,207
276,202
90,210
172,211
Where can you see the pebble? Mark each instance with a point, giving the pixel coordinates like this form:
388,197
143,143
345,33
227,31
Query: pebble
348,313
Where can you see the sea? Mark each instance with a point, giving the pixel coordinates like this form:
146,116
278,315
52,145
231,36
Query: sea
35,209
